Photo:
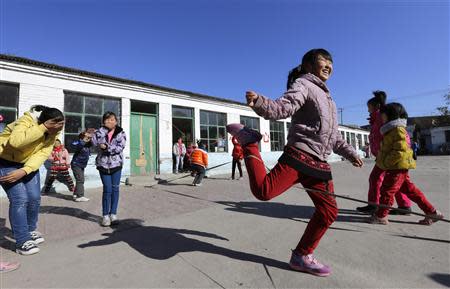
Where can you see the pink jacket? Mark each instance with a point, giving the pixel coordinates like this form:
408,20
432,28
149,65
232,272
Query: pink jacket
314,126
375,136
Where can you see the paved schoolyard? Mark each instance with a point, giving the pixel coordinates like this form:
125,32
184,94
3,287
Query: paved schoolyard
219,236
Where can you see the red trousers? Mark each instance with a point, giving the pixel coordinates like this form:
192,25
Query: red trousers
267,186
375,181
398,180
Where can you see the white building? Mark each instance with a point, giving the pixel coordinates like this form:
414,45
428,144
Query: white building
152,116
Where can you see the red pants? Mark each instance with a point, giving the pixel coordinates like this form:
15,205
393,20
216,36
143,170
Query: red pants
398,180
375,181
267,186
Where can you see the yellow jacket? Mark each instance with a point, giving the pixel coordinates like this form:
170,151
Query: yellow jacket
27,142
395,153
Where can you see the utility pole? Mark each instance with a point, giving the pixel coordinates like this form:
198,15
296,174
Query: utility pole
341,112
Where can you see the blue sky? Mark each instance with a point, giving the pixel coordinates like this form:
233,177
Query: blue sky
223,48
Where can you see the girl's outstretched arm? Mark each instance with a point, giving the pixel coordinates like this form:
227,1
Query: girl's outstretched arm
283,107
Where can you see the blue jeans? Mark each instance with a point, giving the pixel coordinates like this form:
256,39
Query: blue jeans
111,184
24,201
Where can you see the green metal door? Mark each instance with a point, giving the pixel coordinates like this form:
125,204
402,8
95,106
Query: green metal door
143,150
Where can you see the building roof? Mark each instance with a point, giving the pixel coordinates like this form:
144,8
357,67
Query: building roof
354,126
59,68
431,121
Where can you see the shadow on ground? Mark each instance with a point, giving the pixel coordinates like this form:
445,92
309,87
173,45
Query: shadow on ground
287,211
68,211
441,278
6,232
163,243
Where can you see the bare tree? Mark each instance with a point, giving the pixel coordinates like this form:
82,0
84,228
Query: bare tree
444,110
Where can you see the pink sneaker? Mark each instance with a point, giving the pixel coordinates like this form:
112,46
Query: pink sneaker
8,266
244,135
308,264
432,218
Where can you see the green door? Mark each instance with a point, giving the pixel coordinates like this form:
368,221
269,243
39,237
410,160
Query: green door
144,158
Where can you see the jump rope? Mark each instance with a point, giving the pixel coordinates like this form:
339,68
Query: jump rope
326,193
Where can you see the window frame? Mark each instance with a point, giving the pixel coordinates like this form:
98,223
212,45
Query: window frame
281,138
208,126
83,114
192,119
10,108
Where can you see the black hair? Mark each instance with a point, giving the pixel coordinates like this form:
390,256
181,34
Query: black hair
293,75
201,145
48,113
394,111
378,99
82,134
107,115
310,58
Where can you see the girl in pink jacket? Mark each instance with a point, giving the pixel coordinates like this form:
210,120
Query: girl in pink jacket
60,164
377,175
312,137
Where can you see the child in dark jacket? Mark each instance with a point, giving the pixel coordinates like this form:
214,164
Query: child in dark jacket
82,148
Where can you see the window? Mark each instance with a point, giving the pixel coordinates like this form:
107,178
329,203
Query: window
343,134
9,97
353,139
366,139
85,111
447,136
250,122
348,137
144,107
182,124
212,131
276,135
359,138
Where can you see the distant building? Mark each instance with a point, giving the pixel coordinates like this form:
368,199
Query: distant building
431,132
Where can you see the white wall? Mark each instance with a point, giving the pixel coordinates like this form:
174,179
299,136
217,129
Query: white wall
438,137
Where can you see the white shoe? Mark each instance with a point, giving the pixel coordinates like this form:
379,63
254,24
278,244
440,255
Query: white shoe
106,221
28,248
114,219
198,185
36,237
81,199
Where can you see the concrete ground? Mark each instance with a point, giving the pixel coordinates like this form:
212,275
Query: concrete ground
219,236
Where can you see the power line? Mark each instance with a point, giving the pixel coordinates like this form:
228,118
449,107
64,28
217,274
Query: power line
424,93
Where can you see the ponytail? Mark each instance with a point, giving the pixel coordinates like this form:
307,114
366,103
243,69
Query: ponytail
379,99
293,75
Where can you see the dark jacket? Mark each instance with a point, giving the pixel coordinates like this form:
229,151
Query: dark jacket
82,153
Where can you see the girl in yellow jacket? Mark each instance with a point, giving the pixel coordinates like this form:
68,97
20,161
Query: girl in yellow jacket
24,146
396,158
